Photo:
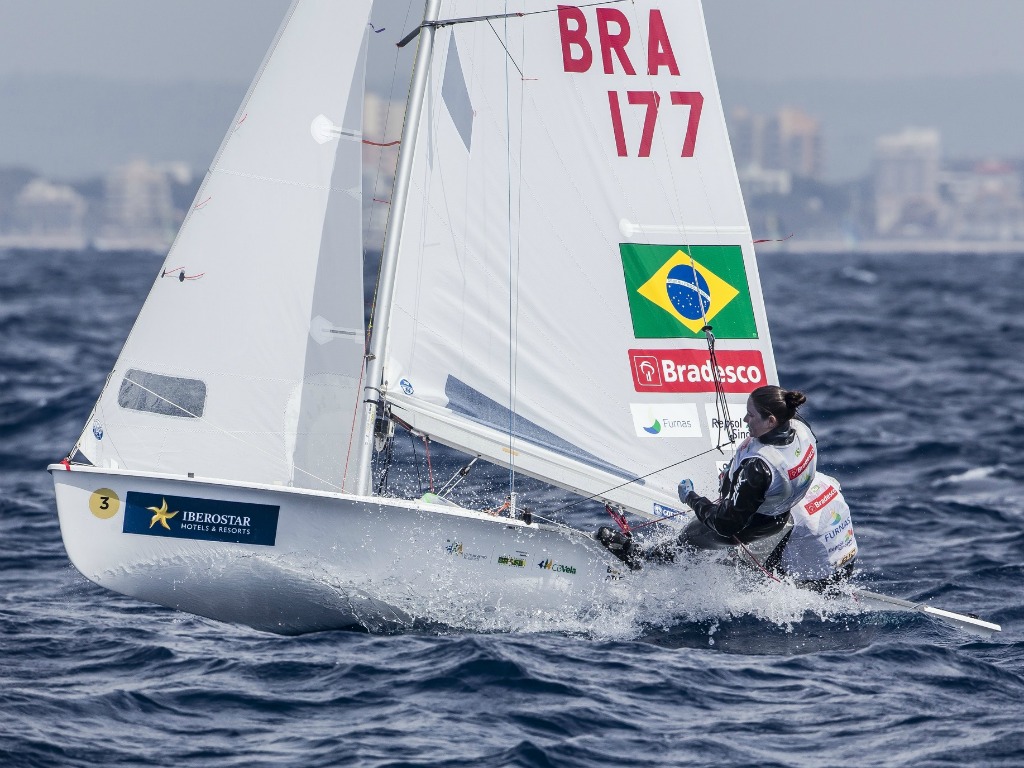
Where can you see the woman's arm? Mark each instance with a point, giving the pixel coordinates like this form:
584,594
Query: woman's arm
731,514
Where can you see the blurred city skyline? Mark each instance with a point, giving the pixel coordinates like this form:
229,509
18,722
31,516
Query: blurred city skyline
913,195
91,85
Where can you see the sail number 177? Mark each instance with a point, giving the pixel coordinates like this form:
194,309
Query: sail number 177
651,100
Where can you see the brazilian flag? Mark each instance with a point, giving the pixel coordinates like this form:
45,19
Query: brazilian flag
674,290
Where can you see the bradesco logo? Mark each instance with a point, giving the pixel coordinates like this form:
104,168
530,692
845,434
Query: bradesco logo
816,504
689,370
805,462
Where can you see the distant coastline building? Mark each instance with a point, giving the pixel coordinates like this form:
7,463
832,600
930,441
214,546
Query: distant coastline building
906,184
52,215
45,208
986,200
788,141
798,139
139,208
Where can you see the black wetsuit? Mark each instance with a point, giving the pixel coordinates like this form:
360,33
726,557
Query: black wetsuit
743,492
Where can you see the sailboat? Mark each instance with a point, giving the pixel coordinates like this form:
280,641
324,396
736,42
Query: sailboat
568,289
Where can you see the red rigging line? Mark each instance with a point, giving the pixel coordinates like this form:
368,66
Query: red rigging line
771,240
618,517
182,277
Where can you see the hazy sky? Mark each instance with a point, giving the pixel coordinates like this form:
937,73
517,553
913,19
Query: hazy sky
70,128
775,39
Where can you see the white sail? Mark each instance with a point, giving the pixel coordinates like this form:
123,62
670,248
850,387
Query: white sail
245,361
574,219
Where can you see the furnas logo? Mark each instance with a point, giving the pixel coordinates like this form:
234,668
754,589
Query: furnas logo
846,528
689,370
551,565
665,419
847,541
181,517
674,291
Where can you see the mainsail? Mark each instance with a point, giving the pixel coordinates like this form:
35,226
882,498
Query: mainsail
574,221
245,361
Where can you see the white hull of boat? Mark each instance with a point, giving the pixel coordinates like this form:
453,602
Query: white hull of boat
336,561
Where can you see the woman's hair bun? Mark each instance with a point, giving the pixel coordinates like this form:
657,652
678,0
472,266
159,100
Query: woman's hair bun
795,399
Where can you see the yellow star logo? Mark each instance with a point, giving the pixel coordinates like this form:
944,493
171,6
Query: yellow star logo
161,516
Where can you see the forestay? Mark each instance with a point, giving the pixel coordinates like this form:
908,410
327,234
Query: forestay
574,217
270,255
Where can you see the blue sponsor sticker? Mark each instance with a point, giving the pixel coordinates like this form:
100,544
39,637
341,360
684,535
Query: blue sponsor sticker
660,510
181,517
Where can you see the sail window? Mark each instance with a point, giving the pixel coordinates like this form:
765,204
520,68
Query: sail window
163,395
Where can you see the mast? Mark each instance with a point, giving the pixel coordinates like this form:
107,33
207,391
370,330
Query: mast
389,259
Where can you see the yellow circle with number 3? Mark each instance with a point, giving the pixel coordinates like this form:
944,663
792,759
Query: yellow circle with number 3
104,503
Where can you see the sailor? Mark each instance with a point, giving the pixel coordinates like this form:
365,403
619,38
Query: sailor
789,518
770,472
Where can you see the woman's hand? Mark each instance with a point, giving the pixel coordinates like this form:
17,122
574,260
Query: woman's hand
685,489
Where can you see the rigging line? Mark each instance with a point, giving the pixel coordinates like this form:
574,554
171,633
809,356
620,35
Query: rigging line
113,444
430,467
457,478
640,477
519,197
469,19
386,460
721,402
416,463
756,562
507,52
512,281
356,407
230,434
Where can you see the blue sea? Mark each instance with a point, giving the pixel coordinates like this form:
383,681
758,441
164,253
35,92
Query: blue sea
914,370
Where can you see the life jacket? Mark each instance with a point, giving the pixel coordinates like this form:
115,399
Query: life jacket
822,540
792,467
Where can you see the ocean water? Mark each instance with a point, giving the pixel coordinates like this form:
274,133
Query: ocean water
914,368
